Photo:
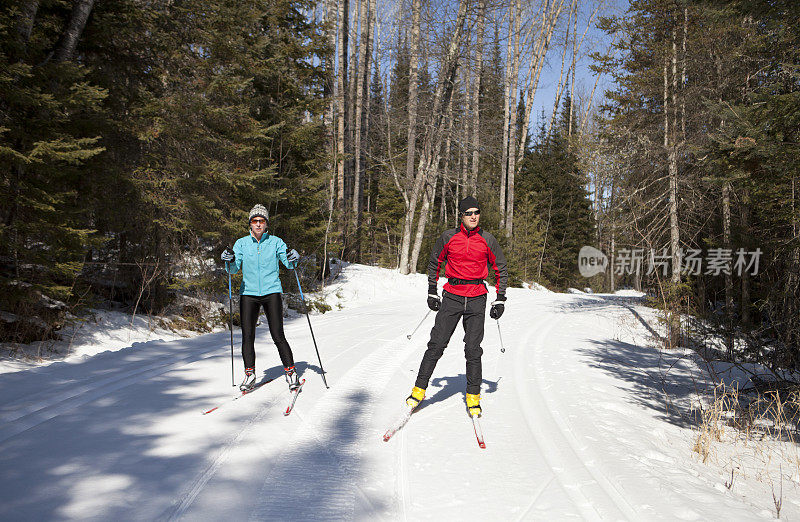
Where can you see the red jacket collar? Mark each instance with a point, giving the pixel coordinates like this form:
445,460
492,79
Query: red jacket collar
469,232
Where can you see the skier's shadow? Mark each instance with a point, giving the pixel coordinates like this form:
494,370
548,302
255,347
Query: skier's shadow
303,367
270,374
453,385
276,372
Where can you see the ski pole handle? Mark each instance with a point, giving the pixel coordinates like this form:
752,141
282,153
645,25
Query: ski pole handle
420,324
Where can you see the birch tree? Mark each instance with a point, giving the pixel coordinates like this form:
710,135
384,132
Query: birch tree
411,140
431,149
341,85
474,108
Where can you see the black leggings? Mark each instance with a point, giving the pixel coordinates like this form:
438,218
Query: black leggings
249,307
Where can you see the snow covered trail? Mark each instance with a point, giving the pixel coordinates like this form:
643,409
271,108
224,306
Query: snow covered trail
574,421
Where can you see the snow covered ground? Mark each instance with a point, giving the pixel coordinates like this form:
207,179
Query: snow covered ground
100,331
576,422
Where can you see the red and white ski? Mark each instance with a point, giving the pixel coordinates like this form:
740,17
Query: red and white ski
294,393
476,425
236,397
399,423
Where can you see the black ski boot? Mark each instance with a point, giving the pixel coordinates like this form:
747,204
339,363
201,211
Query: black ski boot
292,378
249,381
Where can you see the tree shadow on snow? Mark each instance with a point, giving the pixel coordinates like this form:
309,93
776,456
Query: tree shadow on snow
664,381
121,436
318,477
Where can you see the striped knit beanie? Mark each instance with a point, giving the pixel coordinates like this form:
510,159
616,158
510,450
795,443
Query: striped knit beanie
258,210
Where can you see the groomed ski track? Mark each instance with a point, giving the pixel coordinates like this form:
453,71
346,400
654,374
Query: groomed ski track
121,436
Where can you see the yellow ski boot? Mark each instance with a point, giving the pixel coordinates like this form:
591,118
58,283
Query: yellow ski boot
474,404
417,394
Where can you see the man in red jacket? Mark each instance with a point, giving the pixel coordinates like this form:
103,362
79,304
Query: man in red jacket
468,253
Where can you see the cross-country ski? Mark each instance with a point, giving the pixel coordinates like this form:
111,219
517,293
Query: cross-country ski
294,393
476,428
398,424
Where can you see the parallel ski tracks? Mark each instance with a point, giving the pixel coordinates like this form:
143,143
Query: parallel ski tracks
185,500
363,383
62,399
42,411
592,493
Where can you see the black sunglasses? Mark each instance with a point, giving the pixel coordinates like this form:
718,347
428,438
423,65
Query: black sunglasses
471,212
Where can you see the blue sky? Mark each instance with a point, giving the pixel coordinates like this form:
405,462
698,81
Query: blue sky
548,84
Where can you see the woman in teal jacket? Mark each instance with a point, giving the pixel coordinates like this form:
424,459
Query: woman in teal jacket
257,256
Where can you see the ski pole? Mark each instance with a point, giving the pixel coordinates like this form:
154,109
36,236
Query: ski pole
502,348
309,327
230,307
417,328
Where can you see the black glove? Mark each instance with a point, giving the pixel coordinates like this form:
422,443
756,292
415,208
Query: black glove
498,307
228,256
434,302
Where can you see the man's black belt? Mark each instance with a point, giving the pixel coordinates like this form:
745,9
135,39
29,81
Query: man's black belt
454,281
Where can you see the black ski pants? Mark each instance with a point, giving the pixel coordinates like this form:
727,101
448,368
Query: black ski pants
249,307
455,307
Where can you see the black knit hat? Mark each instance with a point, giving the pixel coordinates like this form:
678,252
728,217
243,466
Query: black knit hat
467,203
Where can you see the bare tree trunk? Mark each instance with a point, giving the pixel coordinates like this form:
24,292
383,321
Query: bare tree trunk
550,15
673,316
560,89
575,50
512,143
793,270
673,173
433,139
362,90
613,231
544,241
341,85
683,73
432,174
77,23
26,19
464,155
726,240
585,115
472,188
354,75
512,53
413,87
329,92
424,213
745,306
443,206
673,179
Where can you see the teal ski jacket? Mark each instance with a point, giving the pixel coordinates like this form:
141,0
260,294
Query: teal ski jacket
258,261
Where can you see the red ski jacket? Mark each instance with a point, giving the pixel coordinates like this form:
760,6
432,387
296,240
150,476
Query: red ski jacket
468,256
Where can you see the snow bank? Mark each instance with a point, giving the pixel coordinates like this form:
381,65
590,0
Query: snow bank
99,331
361,285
